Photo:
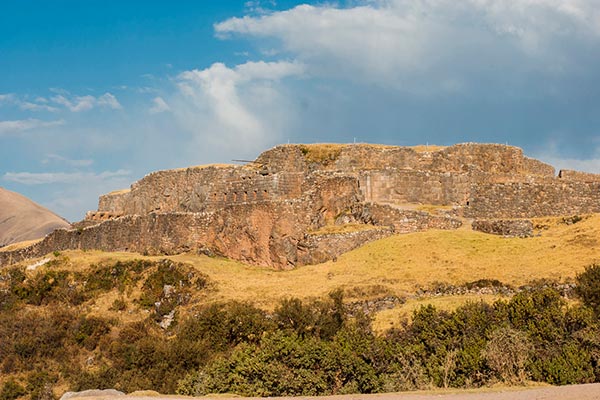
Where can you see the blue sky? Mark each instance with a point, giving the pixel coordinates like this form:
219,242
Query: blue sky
96,94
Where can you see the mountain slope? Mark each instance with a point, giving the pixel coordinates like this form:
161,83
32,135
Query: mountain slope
21,219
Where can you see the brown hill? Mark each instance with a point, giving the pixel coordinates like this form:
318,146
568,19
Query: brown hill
21,219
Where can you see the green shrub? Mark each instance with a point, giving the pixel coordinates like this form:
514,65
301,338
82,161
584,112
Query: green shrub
319,318
588,287
568,364
169,286
121,275
11,390
89,330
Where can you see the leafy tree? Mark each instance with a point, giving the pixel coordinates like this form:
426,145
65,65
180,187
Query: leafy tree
588,287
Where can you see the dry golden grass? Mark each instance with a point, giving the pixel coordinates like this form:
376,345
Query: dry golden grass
204,166
328,152
322,152
121,191
400,264
20,245
345,228
427,148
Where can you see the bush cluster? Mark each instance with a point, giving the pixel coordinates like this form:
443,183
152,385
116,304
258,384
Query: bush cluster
301,348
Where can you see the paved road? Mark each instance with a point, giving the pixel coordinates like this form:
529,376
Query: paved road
575,392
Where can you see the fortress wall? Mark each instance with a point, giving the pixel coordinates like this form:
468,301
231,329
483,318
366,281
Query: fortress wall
461,158
315,249
332,195
152,233
201,189
252,189
490,158
283,158
361,157
114,202
506,227
528,200
395,174
537,167
406,221
411,186
569,175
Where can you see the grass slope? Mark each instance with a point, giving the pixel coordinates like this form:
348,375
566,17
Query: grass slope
400,264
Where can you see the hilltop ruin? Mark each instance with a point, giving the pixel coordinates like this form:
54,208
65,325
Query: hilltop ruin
303,204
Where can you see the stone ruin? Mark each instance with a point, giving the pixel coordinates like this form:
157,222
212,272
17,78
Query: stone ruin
304,204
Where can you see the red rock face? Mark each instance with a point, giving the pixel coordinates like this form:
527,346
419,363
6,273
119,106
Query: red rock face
264,212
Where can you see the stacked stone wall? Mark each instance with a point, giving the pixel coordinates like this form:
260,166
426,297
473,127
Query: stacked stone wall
315,249
153,233
537,168
569,175
528,200
491,158
416,187
364,157
505,227
287,158
202,189
114,202
405,221
461,158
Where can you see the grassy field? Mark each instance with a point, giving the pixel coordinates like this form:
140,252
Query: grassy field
398,265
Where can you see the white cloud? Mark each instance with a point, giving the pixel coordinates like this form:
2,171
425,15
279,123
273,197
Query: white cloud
71,162
109,101
39,104
84,103
29,106
16,126
7,98
259,6
239,108
42,178
423,45
158,106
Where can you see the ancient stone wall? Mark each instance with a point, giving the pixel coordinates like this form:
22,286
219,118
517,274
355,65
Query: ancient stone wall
263,232
461,158
315,249
569,175
405,221
152,233
114,202
260,213
414,186
536,167
386,174
491,158
202,189
506,227
528,200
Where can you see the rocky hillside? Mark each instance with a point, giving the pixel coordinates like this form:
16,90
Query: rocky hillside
21,219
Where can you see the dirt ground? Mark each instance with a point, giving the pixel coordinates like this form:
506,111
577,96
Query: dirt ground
575,392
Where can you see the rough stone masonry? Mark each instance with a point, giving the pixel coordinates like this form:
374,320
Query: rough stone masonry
273,211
